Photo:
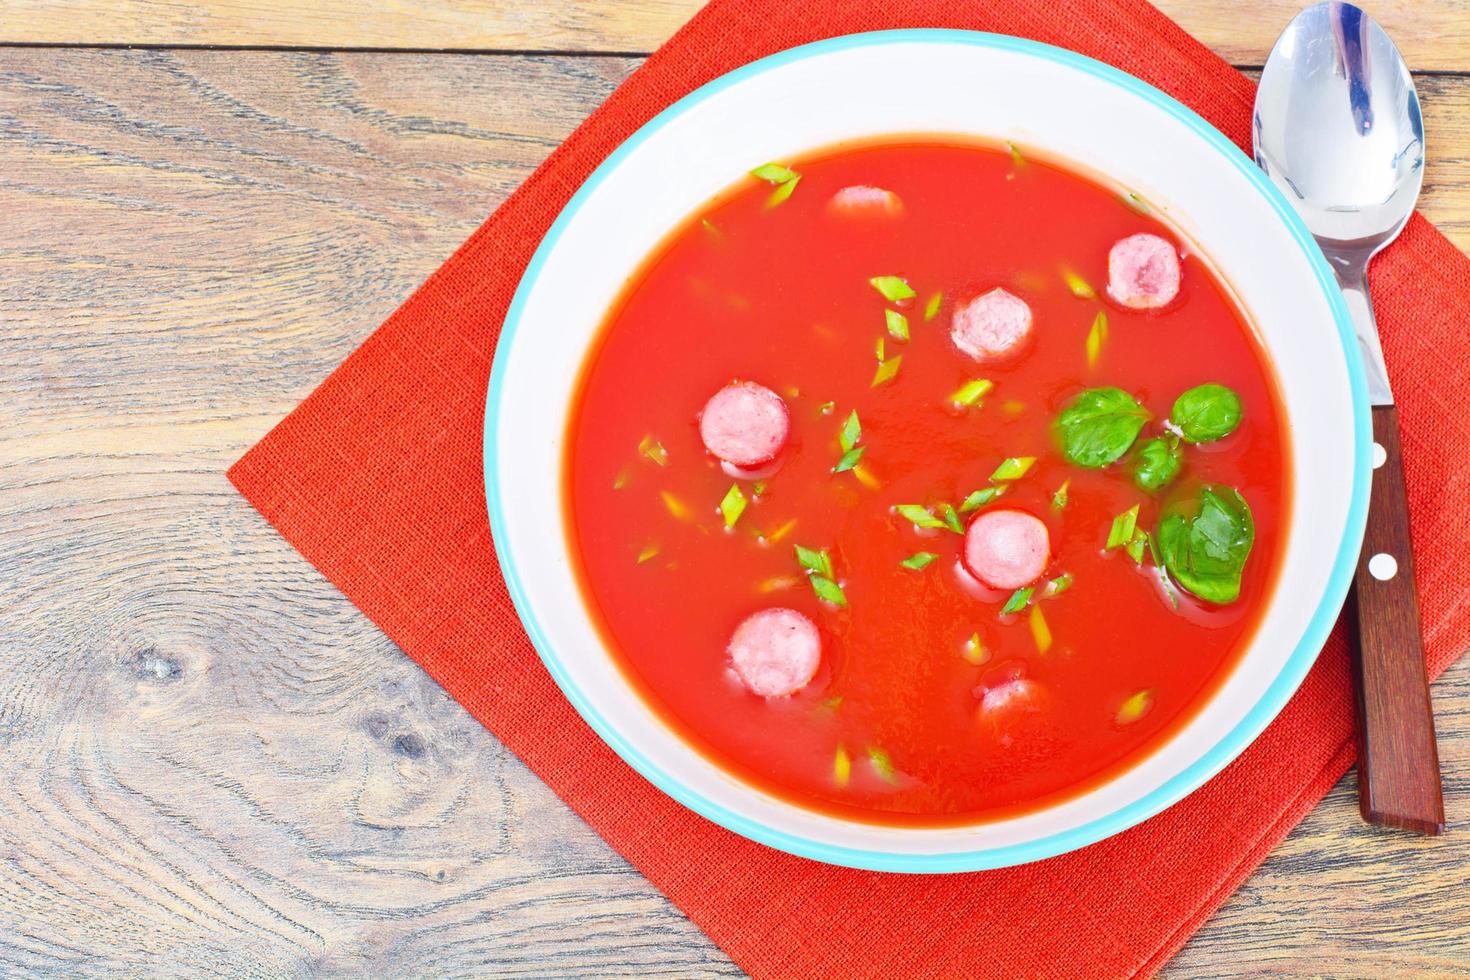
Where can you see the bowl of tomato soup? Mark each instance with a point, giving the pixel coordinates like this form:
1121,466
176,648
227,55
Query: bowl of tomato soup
927,451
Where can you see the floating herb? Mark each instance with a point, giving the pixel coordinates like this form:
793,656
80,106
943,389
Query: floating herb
1019,600
1040,631
1097,335
931,308
895,289
650,550
1017,160
1136,545
1012,468
841,767
814,561
898,325
1135,708
759,489
952,520
918,516
1137,203
1206,413
828,590
919,560
780,532
1205,544
733,505
1057,586
882,765
1158,462
1122,530
851,431
1079,286
654,450
879,348
1098,426
1059,499
621,480
774,173
865,477
970,393
980,498
818,565
711,228
887,371
849,459
783,191
827,408
974,651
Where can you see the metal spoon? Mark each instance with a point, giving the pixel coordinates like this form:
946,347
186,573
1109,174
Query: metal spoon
1337,129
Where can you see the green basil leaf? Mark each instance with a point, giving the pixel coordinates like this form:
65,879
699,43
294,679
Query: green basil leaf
1206,413
1097,427
1158,463
1205,544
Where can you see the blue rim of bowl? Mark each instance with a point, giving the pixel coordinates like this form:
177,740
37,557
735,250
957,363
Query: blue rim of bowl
1171,791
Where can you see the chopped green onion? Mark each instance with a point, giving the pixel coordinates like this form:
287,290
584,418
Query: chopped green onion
1096,337
895,289
918,516
887,371
931,308
1019,600
974,651
919,560
1059,499
980,498
1079,286
621,480
759,489
1040,631
780,532
733,505
971,392
1137,203
1057,586
654,450
952,520
849,459
676,507
777,584
1012,468
783,191
828,590
841,767
1016,158
774,173
649,551
882,765
1136,545
710,227
851,432
880,350
1135,707
826,408
814,561
1122,530
898,325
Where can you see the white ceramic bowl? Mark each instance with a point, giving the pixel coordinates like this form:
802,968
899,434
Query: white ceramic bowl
929,82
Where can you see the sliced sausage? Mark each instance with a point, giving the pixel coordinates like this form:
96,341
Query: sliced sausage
1143,272
862,201
1006,689
775,652
992,326
745,424
1006,549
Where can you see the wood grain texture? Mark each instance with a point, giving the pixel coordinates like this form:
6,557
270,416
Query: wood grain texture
1398,762
1434,36
210,762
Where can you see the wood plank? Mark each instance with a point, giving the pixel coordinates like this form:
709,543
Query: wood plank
1434,34
213,762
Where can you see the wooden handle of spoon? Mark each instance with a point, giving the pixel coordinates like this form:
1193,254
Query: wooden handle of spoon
1398,763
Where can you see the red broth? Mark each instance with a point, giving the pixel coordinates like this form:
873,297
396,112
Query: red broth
891,729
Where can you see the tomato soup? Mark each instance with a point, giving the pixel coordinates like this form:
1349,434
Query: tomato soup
920,482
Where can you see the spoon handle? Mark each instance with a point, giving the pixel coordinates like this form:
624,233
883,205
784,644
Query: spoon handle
1398,763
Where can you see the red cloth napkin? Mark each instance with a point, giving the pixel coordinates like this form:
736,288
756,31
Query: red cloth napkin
376,478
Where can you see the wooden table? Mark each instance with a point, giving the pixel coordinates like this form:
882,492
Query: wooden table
209,760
